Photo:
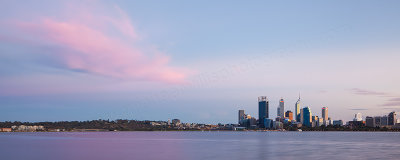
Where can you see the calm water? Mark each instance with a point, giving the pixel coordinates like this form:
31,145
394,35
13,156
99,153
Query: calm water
199,145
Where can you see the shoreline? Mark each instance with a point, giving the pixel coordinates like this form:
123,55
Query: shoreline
190,131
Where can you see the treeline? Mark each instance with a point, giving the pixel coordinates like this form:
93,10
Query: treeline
120,125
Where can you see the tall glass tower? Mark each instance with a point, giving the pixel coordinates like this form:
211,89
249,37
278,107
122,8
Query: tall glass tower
281,108
262,110
325,115
307,116
241,116
392,118
297,110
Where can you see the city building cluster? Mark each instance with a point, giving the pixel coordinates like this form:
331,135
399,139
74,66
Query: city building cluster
303,117
388,121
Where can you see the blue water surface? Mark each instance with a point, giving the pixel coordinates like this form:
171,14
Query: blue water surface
198,145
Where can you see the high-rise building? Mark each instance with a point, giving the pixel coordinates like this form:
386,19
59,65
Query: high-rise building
278,112
301,116
384,120
370,121
262,110
241,116
282,108
358,117
377,121
392,120
307,117
297,110
325,115
289,115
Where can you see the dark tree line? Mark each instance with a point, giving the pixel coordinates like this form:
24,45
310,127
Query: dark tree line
120,125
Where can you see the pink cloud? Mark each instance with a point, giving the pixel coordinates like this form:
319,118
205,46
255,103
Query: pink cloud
89,46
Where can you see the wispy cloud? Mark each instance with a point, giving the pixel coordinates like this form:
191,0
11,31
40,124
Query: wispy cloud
358,109
392,104
322,91
359,91
395,99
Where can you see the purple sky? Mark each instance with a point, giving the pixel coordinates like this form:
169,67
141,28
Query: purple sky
196,61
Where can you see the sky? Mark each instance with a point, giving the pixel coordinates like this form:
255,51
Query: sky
198,61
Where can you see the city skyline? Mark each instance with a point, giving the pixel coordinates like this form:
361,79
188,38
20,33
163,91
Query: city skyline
324,114
85,60
308,120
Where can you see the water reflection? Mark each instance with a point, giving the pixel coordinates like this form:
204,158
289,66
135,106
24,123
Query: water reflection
199,145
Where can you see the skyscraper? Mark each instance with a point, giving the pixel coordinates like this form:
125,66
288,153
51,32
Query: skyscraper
325,115
392,120
307,117
282,108
278,112
301,116
297,110
262,110
241,116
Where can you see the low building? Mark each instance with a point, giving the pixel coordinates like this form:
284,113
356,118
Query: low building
5,129
277,125
239,128
330,121
314,124
358,117
176,122
338,123
268,123
55,130
396,126
248,121
289,115
24,128
320,122
279,119
356,124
